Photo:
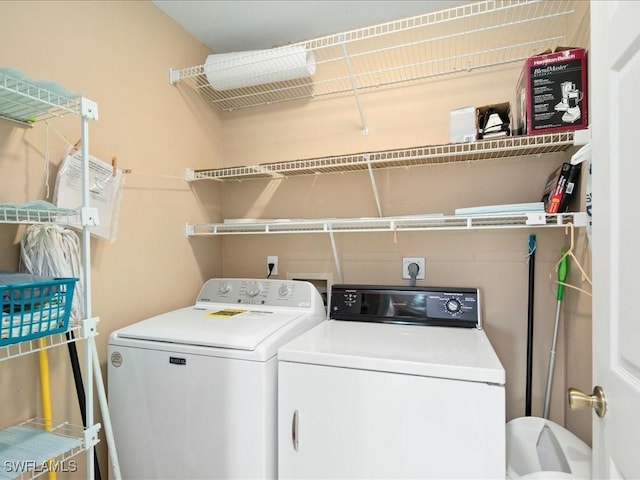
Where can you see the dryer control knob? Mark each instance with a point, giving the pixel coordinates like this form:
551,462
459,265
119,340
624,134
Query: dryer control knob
254,288
284,290
224,287
452,306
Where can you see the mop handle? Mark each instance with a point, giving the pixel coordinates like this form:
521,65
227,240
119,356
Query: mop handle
563,269
562,276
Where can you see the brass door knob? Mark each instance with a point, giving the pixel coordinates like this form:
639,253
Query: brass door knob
597,400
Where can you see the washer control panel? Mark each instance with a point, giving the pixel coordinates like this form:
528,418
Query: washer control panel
437,306
271,292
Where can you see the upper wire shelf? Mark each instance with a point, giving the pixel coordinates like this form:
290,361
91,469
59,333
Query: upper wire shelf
26,101
500,147
456,40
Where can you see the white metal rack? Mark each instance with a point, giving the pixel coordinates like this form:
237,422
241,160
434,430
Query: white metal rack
28,215
391,224
25,102
408,157
453,41
415,156
35,448
450,42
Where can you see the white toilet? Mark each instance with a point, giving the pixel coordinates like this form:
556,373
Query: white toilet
539,448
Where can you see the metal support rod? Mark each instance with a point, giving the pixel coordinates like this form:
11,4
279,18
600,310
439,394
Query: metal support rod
365,129
106,418
552,363
373,183
335,255
86,266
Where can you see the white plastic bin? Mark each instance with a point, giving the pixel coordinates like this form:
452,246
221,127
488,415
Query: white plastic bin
539,448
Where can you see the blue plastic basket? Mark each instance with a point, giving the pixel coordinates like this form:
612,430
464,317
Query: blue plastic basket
35,309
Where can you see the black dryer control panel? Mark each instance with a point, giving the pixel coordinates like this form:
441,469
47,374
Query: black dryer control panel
434,306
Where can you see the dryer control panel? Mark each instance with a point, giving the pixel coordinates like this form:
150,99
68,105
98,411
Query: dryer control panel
266,292
436,306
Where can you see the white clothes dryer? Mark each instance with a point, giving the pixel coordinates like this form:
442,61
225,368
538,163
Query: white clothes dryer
192,392
400,382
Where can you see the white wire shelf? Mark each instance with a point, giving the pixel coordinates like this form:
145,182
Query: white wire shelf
73,334
25,101
453,41
78,330
390,224
500,147
25,214
34,448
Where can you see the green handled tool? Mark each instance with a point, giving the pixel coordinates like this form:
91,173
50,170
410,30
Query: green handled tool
563,270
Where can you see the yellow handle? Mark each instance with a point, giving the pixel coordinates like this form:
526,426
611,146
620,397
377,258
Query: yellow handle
45,393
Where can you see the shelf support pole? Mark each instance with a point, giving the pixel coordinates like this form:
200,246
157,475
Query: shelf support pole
335,255
367,157
365,128
86,265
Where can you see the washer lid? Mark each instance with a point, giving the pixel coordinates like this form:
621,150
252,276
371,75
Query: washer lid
443,352
224,327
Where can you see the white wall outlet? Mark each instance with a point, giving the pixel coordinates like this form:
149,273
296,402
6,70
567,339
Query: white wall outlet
272,259
422,269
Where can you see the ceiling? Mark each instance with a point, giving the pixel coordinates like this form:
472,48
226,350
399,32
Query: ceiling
238,25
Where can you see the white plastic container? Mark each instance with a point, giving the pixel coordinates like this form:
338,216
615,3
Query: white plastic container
539,448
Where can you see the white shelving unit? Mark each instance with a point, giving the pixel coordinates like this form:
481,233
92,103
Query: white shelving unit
416,156
26,102
391,224
29,215
456,41
449,42
407,157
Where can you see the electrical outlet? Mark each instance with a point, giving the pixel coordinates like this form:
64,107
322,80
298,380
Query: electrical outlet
406,261
272,259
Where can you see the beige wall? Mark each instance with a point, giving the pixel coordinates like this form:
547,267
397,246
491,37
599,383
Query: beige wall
494,261
119,54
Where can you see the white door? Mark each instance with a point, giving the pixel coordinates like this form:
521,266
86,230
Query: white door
615,97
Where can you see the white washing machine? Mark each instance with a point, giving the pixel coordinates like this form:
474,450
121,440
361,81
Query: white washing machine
192,393
400,382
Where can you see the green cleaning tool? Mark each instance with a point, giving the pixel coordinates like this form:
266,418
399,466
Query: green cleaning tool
563,269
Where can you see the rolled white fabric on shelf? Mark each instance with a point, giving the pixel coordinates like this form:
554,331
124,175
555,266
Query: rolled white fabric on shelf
226,71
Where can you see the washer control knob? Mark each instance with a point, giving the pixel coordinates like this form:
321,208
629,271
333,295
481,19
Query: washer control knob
284,290
224,287
254,288
452,306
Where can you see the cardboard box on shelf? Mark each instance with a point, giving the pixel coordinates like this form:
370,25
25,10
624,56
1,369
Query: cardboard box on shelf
470,123
494,120
551,95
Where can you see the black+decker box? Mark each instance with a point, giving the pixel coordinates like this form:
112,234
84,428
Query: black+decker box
552,93
493,120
